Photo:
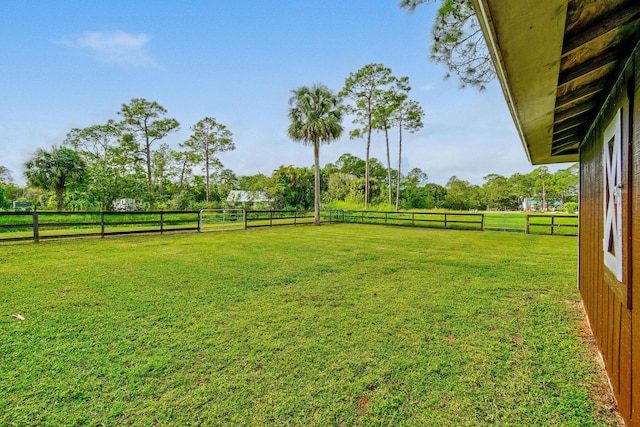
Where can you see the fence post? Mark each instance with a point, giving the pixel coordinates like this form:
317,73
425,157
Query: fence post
200,220
362,217
445,220
36,229
102,224
244,218
161,223
527,225
552,223
270,218
295,217
482,222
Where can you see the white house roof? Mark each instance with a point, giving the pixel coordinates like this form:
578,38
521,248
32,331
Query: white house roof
242,196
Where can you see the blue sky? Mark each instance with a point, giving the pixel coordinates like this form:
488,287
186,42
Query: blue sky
74,63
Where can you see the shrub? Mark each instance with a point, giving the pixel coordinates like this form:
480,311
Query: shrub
570,207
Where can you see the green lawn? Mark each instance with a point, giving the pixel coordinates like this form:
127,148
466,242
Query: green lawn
314,326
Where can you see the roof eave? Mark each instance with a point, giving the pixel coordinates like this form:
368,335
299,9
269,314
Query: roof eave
525,42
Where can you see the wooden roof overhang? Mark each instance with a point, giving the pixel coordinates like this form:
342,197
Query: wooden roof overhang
557,61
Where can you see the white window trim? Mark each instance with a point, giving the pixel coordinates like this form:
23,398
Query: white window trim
612,186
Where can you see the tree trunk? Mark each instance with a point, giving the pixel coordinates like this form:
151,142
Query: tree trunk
182,172
366,168
206,171
316,184
386,136
399,166
148,152
60,197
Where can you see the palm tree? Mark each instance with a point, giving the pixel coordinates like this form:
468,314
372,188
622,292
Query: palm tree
316,118
55,170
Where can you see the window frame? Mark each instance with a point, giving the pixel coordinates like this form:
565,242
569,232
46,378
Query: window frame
612,196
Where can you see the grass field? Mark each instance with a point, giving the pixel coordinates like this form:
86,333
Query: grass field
315,326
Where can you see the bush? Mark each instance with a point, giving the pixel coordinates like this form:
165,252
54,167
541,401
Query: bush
570,207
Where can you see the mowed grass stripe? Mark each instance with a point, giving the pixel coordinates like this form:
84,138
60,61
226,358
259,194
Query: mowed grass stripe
331,325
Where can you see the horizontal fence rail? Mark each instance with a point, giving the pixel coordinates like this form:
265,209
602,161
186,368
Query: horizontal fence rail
36,225
561,225
15,226
272,218
461,221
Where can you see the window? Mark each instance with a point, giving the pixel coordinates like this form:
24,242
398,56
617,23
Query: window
612,178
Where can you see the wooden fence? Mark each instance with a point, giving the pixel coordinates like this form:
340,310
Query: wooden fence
272,218
461,221
35,226
562,225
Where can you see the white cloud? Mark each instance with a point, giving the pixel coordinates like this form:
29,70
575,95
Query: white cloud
117,47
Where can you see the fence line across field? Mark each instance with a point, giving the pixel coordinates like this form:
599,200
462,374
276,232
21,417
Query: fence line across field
39,225
35,226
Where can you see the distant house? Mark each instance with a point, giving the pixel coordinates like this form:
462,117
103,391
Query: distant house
21,206
248,199
533,205
127,205
570,73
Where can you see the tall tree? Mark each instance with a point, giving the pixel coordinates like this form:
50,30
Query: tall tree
5,174
316,118
414,193
437,194
462,194
55,170
145,122
407,116
522,185
366,89
97,146
382,117
209,137
541,178
94,142
458,42
566,182
352,165
226,180
497,191
184,161
163,159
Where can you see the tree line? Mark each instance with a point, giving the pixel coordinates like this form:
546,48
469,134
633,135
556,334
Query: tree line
125,158
342,185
